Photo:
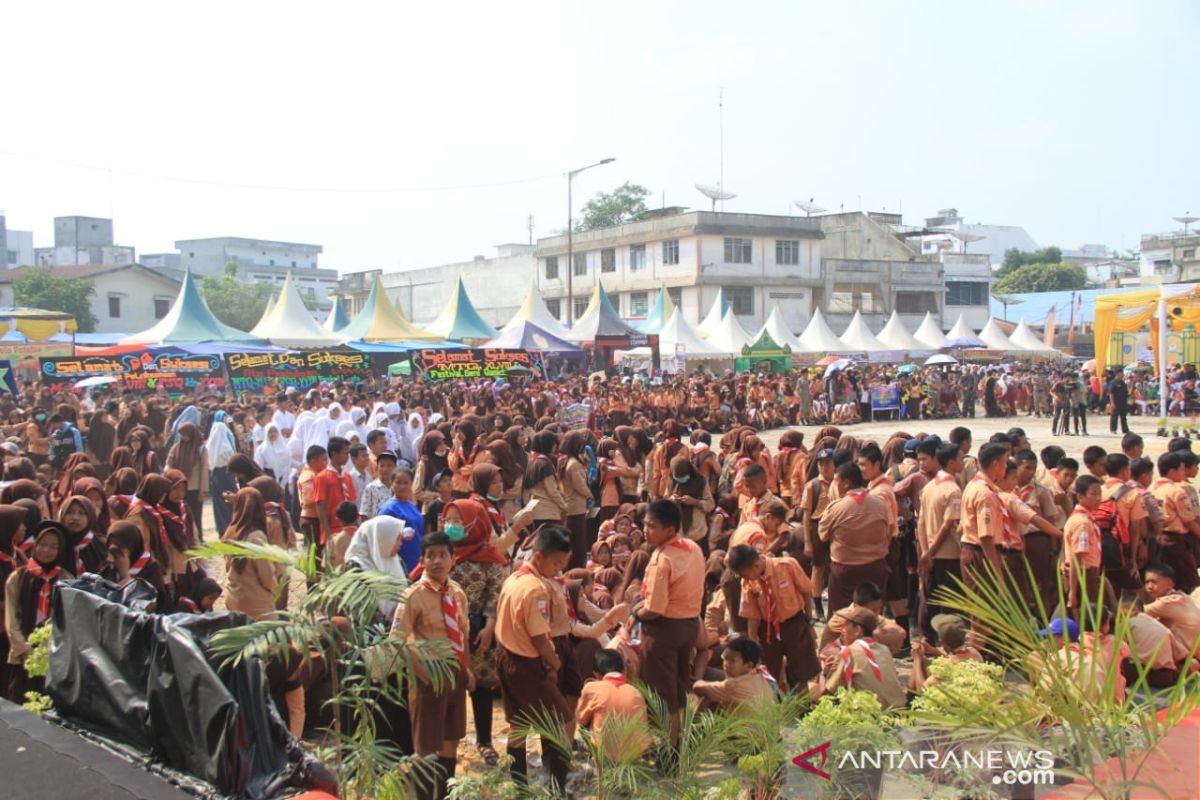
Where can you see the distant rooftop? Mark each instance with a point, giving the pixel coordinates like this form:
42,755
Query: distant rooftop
316,248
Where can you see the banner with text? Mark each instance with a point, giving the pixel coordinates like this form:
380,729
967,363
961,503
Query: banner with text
451,365
250,372
161,368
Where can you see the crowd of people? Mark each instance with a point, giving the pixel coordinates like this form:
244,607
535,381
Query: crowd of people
654,536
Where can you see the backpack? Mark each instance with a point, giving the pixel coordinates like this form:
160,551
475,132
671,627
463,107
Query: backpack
1114,533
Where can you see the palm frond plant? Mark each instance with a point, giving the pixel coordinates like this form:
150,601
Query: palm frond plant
1063,700
852,722
338,619
763,752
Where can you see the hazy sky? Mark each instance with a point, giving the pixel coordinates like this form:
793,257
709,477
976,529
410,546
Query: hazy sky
412,134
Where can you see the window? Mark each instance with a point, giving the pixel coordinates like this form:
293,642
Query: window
293,263
580,264
555,308
161,306
850,297
737,251
1189,253
741,299
959,293
637,256
580,305
551,267
114,306
671,251
676,296
608,259
915,302
271,263
637,304
12,256
1163,267
787,251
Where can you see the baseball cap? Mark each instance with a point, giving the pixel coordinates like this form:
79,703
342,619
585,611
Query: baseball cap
387,454
863,617
1060,625
911,445
945,622
823,454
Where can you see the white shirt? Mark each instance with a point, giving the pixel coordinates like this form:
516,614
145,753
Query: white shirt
284,420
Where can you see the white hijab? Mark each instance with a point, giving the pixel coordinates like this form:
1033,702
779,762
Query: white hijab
297,445
410,443
275,456
219,445
371,547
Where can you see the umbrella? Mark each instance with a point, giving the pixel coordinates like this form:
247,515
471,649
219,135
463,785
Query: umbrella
838,366
966,343
827,360
907,368
940,358
518,370
98,380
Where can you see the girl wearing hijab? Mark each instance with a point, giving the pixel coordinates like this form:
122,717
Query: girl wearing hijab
27,594
121,458
161,535
249,582
273,455
61,489
487,481
462,457
121,488
433,462
189,415
541,481
279,526
243,469
93,490
479,568
88,551
690,491
189,455
101,438
499,452
375,546
573,474
175,506
790,463
221,448
27,493
134,570
145,460
12,532
631,455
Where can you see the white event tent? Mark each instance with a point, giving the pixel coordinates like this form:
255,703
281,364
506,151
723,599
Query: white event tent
779,332
818,337
858,336
729,336
930,333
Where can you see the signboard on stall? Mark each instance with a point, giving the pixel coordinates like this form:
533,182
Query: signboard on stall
171,370
23,356
434,364
250,372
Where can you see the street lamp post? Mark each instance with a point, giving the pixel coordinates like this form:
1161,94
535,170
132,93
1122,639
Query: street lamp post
571,238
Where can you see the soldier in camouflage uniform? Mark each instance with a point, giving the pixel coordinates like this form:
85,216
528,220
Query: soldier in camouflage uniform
969,391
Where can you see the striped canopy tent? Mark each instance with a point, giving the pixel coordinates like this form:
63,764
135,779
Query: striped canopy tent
600,321
290,325
1026,338
930,333
858,336
729,336
896,337
380,321
337,318
995,339
659,314
715,314
779,331
818,337
459,321
38,325
534,310
190,320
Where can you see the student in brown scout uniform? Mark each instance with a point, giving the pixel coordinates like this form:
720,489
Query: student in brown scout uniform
746,683
525,658
775,593
938,535
1081,546
983,516
1041,548
435,608
1180,524
1126,497
814,499
857,528
673,592
862,663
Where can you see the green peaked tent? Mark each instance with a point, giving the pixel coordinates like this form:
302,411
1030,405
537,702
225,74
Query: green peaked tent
764,354
380,321
658,316
189,321
459,321
337,318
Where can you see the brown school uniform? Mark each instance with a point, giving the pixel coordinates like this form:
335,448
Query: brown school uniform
779,602
614,696
1041,549
816,507
748,689
941,500
1175,547
1155,646
982,518
1081,543
858,530
875,673
526,683
896,588
674,589
1179,613
887,632
437,717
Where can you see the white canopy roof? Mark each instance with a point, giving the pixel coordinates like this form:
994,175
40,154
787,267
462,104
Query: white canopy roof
961,330
1026,338
715,314
779,332
858,336
534,310
290,325
995,339
265,315
818,337
896,337
677,331
729,335
930,333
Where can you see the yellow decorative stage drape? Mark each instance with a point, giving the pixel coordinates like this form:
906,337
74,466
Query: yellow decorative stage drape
1132,311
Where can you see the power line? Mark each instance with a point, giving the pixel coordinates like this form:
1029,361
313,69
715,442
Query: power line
271,188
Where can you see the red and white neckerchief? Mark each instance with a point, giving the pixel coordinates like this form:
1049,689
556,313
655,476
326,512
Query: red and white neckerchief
188,604
87,539
615,678
600,591
450,618
27,545
1009,525
1026,491
48,577
848,660
525,569
493,512
770,607
269,507
566,593
884,479
766,674
156,512
136,567
943,477
700,447
857,495
181,518
678,542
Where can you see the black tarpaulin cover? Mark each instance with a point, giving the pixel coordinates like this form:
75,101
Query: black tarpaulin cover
145,679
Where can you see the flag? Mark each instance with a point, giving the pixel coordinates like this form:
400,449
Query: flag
8,380
1048,337
1076,309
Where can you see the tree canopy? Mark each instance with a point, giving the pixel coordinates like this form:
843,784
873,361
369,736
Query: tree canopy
41,288
1014,259
626,203
233,301
1039,277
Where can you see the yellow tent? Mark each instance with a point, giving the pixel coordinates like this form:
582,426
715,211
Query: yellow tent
36,324
1130,312
380,321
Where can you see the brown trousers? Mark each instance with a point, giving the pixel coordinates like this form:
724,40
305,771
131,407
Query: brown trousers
795,643
845,578
668,649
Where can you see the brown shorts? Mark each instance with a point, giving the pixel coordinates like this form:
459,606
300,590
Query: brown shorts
797,644
437,716
528,686
668,647
570,681
845,578
897,580
818,550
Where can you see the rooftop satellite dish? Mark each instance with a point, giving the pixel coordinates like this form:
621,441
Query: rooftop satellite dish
808,207
963,236
714,193
1185,220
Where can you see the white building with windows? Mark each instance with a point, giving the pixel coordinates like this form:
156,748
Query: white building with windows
261,261
126,298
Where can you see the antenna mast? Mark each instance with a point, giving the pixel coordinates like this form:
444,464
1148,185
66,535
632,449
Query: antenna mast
529,225
721,136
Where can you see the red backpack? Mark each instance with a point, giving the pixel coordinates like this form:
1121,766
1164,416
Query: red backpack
1114,533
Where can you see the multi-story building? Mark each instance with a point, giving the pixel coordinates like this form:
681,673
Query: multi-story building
262,260
497,285
16,247
126,298
1170,257
83,241
947,232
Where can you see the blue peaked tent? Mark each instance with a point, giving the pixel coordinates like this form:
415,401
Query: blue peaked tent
658,316
337,317
459,321
190,321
